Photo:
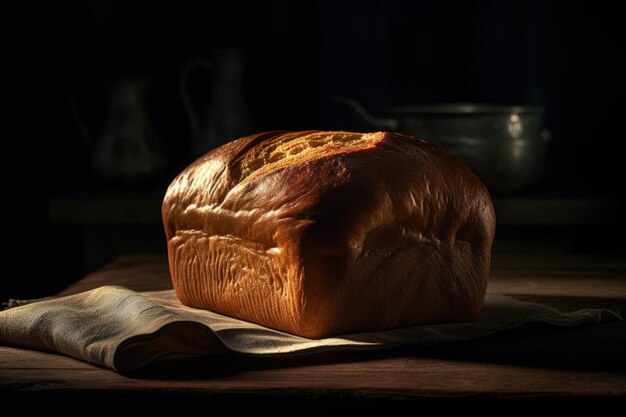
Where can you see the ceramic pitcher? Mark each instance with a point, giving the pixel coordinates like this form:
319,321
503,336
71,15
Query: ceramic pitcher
126,149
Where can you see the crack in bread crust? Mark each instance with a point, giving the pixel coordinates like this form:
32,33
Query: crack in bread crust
283,151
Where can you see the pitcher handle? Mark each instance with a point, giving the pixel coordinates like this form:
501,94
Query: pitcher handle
194,121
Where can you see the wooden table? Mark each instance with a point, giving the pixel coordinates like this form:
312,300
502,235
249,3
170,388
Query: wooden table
522,367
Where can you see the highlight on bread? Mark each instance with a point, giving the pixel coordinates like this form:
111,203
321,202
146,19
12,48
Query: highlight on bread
320,233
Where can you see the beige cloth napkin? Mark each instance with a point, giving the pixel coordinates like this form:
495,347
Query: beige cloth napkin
126,330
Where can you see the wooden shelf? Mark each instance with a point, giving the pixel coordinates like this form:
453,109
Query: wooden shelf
107,208
556,211
145,208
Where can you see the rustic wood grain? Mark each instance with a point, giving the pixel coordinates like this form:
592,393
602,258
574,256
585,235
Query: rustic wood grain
534,362
402,376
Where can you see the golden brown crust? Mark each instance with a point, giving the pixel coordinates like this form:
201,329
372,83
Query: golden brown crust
321,233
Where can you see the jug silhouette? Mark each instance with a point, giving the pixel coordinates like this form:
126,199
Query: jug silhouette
225,116
126,150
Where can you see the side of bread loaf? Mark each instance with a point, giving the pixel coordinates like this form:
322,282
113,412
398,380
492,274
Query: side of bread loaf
322,233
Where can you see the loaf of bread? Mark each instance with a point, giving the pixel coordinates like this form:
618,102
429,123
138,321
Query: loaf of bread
323,233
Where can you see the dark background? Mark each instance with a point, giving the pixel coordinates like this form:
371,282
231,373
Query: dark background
565,55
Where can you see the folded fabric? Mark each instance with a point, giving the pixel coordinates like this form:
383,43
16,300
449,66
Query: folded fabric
126,330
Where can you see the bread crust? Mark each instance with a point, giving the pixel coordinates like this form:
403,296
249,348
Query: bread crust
323,233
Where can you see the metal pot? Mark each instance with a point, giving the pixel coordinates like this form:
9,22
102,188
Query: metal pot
504,145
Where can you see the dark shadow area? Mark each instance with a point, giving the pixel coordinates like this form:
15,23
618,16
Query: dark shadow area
591,347
75,73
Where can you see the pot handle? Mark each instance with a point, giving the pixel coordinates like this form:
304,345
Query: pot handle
364,115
